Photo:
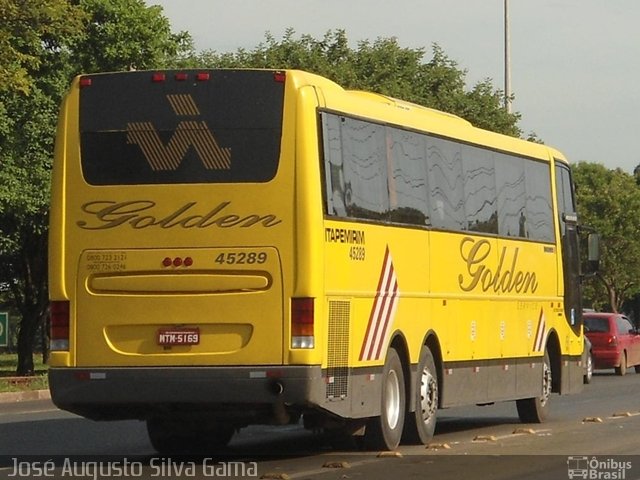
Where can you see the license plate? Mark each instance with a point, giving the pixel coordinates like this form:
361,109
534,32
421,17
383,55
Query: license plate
178,336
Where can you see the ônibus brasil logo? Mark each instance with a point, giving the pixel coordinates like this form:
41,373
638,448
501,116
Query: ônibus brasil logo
594,468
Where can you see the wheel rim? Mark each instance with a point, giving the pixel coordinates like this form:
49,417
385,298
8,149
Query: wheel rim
392,399
546,384
428,395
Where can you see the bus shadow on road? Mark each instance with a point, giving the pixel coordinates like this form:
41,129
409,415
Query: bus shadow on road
461,424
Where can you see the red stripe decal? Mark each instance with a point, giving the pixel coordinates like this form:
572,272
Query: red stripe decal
538,342
382,311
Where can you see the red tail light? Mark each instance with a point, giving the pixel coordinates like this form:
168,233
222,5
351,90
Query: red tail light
59,311
177,262
302,323
612,341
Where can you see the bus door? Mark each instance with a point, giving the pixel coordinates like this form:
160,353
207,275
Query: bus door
570,249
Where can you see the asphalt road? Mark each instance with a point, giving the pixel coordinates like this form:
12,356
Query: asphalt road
591,435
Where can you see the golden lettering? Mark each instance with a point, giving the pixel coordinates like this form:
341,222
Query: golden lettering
139,214
505,278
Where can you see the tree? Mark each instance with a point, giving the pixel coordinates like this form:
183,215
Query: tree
60,39
125,35
381,66
29,35
609,201
27,32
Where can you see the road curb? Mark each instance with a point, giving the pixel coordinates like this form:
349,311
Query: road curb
29,395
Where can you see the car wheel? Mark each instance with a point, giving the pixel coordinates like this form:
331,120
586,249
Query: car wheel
535,410
588,374
622,369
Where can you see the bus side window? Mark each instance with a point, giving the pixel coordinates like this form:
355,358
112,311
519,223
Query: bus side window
334,175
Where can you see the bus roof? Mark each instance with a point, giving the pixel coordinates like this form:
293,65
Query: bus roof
385,109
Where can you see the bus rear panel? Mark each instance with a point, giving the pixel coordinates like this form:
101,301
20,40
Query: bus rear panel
171,251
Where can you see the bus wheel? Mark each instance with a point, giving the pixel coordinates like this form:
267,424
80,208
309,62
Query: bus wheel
421,424
535,410
172,436
384,432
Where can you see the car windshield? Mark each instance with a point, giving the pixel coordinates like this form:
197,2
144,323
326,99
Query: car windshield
596,324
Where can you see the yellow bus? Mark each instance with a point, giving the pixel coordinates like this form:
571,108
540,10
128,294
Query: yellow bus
236,247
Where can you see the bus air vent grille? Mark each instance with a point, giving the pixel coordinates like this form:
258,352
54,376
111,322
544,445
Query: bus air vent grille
338,349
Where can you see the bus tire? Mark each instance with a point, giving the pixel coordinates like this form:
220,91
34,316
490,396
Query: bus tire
384,432
421,424
536,410
169,436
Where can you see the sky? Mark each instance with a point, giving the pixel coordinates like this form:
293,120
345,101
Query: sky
575,64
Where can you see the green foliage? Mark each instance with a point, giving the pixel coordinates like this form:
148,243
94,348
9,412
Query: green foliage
27,126
125,35
609,201
25,160
28,30
381,66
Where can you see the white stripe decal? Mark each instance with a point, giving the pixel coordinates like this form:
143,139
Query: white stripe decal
382,312
538,344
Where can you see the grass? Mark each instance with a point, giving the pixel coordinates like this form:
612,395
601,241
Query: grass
10,383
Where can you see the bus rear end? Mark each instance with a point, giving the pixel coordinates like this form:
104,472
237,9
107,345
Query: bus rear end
171,239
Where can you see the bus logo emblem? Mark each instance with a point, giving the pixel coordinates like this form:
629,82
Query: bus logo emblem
188,133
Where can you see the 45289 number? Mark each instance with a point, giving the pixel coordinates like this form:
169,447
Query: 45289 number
241,258
357,253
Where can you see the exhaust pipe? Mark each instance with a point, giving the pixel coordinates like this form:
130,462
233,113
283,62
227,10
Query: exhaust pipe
280,415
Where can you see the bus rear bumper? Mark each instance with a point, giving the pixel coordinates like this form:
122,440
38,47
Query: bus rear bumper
142,392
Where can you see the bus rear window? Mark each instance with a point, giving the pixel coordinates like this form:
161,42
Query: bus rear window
191,126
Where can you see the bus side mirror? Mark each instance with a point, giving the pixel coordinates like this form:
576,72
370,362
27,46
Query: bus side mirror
593,252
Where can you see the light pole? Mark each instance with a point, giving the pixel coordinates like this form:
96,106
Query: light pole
507,55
